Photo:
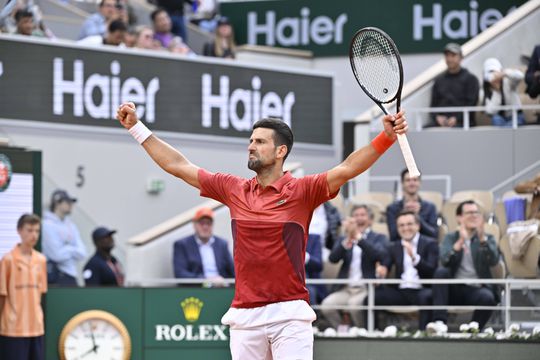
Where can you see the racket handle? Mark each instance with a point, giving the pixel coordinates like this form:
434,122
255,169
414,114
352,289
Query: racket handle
407,155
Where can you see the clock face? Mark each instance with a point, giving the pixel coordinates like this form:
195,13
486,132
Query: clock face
95,335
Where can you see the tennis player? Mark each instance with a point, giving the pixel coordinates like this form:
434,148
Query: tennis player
270,316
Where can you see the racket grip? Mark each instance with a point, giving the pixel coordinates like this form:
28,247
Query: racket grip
407,155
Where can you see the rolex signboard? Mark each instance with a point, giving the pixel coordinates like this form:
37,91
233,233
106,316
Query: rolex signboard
188,319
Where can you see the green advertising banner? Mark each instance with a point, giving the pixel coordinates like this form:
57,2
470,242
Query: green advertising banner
186,317
159,323
417,26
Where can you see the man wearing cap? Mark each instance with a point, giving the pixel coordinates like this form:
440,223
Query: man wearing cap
61,241
203,255
454,87
103,269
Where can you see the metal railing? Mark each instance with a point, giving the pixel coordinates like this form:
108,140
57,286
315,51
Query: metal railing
505,306
417,115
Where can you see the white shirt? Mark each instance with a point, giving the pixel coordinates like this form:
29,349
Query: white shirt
410,275
208,257
355,270
319,226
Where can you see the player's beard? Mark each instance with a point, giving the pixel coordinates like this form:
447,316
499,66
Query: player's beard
258,165
255,165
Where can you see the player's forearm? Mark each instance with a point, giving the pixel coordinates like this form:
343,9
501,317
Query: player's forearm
171,160
359,161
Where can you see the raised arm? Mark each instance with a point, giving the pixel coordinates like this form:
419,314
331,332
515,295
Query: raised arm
167,157
362,159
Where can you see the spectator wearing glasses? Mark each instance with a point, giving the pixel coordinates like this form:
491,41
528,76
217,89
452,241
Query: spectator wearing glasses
467,253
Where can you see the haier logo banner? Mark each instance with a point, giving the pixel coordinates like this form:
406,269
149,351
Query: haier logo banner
80,86
417,26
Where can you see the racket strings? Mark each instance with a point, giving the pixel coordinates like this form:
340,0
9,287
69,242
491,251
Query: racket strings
376,66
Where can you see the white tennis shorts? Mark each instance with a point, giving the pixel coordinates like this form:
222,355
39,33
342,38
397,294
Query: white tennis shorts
286,340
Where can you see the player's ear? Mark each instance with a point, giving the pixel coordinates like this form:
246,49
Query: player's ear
282,151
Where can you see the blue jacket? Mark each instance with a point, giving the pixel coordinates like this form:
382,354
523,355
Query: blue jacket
314,265
372,251
427,248
187,260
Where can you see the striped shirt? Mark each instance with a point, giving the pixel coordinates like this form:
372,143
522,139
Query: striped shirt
22,282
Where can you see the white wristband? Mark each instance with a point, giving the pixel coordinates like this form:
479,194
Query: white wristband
140,132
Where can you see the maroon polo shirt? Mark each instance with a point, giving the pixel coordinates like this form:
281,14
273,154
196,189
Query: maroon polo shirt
270,229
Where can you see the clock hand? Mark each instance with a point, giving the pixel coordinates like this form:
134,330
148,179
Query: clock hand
94,348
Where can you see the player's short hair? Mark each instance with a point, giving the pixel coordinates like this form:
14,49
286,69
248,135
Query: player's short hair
31,219
283,134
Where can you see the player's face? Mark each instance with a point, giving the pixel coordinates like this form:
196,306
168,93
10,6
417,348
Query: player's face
29,234
411,185
407,227
262,150
361,217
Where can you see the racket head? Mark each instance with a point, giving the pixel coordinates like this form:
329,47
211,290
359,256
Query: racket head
376,65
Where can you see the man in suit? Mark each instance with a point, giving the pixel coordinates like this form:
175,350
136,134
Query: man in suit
414,257
426,211
314,266
360,250
203,255
467,253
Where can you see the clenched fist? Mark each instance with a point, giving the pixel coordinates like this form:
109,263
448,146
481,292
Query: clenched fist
127,115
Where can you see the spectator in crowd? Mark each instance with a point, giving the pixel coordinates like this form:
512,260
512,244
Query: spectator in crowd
467,253
103,269
96,24
531,187
314,266
23,280
203,255
326,222
532,76
500,88
130,38
24,20
411,201
126,13
145,39
455,87
223,45
177,46
360,250
414,257
162,25
61,241
116,33
176,11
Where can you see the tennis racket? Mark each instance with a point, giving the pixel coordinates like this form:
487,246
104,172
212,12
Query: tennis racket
376,65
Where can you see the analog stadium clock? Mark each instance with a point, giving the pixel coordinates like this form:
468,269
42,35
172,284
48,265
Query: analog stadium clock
94,334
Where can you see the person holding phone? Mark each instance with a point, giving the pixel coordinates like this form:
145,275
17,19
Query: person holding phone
467,253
